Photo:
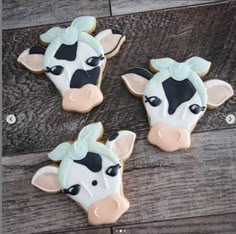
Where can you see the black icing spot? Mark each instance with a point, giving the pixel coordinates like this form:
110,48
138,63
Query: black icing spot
141,72
94,182
113,136
67,52
92,161
72,190
37,50
82,77
177,92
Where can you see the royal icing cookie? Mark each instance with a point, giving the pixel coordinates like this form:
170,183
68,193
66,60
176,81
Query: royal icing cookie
90,173
74,61
175,98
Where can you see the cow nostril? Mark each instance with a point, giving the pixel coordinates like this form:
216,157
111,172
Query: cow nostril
117,203
159,132
90,93
180,135
96,213
71,97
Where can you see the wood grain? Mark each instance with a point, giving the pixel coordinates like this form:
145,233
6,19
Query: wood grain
206,31
224,224
25,13
120,7
88,231
159,186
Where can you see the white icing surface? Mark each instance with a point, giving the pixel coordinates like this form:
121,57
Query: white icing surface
182,117
62,81
107,185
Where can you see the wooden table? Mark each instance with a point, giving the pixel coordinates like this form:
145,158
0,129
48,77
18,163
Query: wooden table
192,191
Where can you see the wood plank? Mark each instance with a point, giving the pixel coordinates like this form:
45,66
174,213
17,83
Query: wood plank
24,13
197,182
224,224
120,7
87,231
208,32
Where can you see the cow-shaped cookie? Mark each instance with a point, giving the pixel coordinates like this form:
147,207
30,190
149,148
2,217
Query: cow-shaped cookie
90,173
74,61
175,98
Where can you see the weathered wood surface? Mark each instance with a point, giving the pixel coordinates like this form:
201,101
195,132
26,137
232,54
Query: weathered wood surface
224,224
25,13
120,7
206,31
160,186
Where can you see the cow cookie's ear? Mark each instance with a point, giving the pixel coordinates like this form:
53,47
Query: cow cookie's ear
122,144
32,58
198,65
218,92
136,80
111,41
46,179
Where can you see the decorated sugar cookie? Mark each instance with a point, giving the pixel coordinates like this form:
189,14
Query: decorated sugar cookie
175,98
90,173
74,61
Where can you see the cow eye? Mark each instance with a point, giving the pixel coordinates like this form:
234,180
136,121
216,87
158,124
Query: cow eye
195,109
113,170
94,61
153,100
72,190
56,70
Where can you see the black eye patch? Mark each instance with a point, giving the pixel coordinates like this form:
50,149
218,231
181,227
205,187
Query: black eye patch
94,61
55,70
153,100
195,109
72,190
113,170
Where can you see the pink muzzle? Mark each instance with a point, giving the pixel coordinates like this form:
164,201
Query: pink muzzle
82,100
168,138
108,210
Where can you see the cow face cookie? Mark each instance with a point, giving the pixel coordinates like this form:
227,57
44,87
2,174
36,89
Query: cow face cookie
74,61
90,173
175,98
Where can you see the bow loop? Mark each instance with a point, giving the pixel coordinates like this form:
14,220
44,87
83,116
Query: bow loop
84,23
91,132
79,150
60,152
69,35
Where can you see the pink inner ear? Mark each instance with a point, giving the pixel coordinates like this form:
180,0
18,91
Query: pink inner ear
218,94
123,145
110,42
33,62
136,83
47,181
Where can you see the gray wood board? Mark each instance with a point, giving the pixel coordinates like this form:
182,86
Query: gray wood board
206,31
120,7
224,224
26,13
160,186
